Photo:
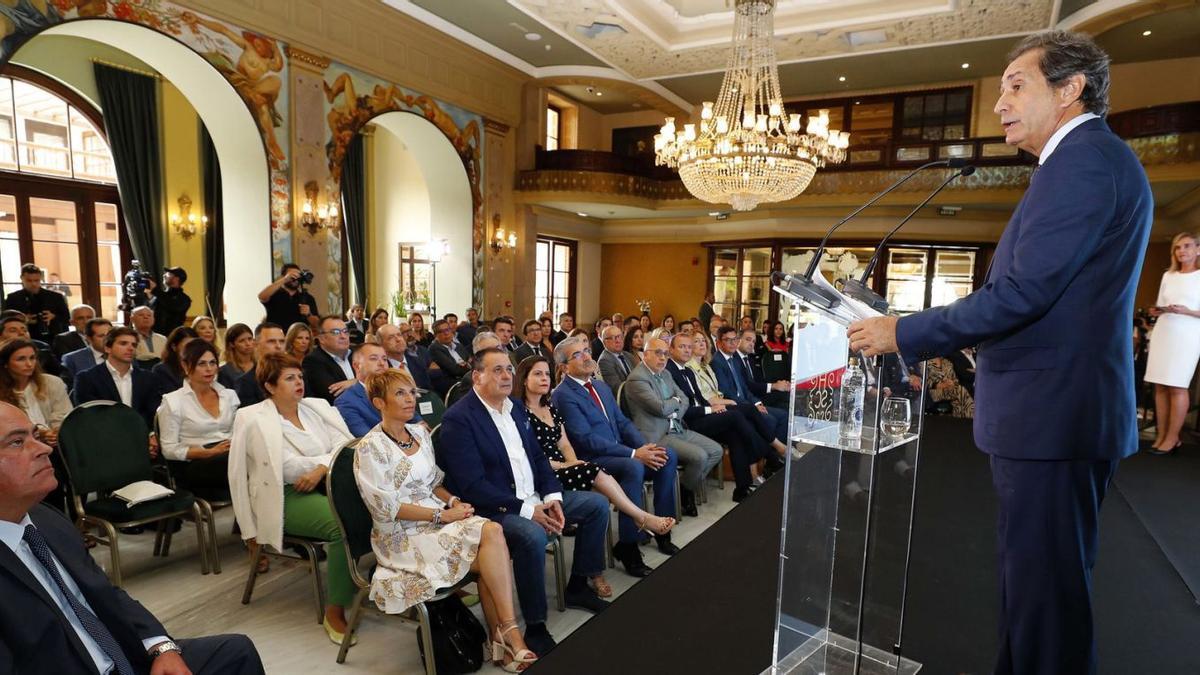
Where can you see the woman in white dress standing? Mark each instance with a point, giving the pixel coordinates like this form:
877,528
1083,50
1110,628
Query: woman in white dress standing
1175,342
425,538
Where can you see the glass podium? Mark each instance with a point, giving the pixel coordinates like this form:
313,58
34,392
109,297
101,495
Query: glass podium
848,503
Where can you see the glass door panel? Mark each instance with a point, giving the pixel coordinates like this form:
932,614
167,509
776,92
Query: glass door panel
55,233
10,245
108,256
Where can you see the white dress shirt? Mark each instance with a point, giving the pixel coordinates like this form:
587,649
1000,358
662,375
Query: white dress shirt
124,383
183,422
343,362
1062,132
32,406
306,449
526,489
13,535
98,356
696,390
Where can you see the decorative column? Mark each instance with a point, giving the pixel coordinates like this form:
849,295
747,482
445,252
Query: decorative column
508,280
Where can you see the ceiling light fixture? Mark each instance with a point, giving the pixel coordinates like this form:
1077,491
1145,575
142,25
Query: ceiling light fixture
1147,33
747,149
533,37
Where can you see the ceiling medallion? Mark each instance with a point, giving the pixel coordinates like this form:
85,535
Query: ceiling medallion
747,151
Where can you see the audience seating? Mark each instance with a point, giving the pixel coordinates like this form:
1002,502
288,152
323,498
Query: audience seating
122,459
312,553
429,400
452,394
648,485
354,520
207,506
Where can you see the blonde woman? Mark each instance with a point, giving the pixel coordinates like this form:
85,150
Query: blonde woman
206,329
298,341
707,379
1175,342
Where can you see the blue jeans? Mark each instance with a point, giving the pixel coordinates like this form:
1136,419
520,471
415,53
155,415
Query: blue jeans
527,547
630,473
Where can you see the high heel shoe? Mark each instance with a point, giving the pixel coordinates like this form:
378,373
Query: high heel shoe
641,525
1162,452
500,648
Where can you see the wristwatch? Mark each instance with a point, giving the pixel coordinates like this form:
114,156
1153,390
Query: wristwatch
162,648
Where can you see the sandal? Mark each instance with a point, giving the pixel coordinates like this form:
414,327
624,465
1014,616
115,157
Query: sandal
600,585
500,648
669,523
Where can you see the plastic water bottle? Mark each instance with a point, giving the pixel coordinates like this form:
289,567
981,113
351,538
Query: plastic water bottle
850,413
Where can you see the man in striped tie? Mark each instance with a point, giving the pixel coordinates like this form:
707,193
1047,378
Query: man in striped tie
60,613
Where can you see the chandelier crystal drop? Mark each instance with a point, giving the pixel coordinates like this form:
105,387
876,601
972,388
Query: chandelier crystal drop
747,149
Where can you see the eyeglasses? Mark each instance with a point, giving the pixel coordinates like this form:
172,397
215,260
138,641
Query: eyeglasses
661,353
335,332
446,330
730,340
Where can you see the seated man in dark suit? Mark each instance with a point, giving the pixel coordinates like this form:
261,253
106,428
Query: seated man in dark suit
566,324
450,358
722,423
734,379
60,612
395,346
484,339
327,370
774,394
269,338
614,363
71,340
602,434
118,380
90,356
493,461
354,405
532,330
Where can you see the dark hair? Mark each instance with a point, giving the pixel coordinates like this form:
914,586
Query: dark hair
119,331
288,266
523,370
90,327
501,319
169,354
377,312
481,355
780,325
13,317
30,268
271,366
328,317
1065,54
440,322
627,343
447,316
196,349
258,330
532,322
664,322
723,331
7,393
232,335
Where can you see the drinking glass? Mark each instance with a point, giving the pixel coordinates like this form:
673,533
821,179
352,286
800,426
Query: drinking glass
895,417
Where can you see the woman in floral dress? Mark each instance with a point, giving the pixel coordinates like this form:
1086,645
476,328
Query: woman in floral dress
424,538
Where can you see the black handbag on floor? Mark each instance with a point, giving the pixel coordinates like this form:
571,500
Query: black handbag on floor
457,637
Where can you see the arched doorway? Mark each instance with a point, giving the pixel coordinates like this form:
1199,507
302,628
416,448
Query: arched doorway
239,146
420,193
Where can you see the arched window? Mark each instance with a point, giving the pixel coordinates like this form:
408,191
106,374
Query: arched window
58,197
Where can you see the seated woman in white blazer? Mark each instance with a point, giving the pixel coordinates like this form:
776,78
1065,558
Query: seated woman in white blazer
278,458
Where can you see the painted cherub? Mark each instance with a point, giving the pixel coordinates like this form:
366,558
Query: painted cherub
253,77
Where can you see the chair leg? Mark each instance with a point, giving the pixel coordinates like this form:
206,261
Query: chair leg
608,544
168,525
318,587
560,575
114,553
254,556
356,616
160,533
211,526
678,499
427,640
201,540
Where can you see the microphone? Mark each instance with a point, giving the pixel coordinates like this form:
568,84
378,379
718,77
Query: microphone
803,286
857,288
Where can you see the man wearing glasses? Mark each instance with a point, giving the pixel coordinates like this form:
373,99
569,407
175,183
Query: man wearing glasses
602,434
450,358
736,382
327,370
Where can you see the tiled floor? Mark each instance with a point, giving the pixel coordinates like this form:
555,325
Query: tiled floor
281,619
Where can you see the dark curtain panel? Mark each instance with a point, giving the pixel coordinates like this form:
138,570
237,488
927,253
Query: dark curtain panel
354,213
214,240
129,102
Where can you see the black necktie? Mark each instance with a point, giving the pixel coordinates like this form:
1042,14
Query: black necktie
688,377
624,366
90,622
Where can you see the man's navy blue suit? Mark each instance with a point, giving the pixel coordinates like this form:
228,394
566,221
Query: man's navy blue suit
96,384
478,469
358,412
736,383
608,438
1053,316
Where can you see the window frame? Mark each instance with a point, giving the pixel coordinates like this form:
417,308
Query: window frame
557,136
571,271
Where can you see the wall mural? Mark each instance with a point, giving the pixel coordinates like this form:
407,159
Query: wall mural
353,98
257,67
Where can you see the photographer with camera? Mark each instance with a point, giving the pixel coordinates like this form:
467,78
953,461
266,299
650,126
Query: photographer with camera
287,301
46,310
169,302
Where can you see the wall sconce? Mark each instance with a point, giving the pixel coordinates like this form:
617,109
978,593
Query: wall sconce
185,223
501,239
316,216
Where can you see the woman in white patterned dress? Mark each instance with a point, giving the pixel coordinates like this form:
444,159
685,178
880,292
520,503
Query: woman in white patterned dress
424,538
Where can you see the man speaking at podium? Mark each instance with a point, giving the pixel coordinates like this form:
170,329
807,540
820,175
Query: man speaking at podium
1054,390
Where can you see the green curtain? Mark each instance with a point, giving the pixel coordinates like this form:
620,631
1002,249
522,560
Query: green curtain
354,213
214,240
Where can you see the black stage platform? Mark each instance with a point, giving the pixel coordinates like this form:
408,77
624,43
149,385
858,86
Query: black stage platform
710,609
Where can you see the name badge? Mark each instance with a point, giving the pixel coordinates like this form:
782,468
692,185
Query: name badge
778,357
425,408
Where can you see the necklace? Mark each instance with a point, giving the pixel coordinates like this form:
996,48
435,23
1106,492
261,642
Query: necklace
397,441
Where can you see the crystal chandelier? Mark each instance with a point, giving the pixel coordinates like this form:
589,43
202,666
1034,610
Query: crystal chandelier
747,151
